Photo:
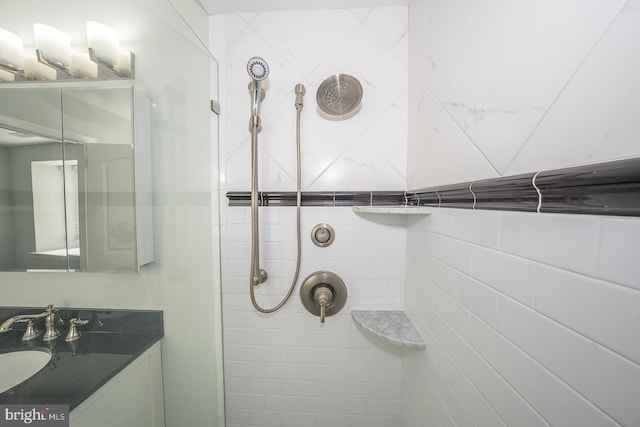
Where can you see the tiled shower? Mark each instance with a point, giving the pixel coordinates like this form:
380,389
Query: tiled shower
529,319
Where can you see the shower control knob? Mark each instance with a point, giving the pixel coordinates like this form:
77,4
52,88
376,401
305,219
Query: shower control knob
322,235
323,295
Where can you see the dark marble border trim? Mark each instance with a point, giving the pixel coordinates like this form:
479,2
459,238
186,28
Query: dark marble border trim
610,188
320,198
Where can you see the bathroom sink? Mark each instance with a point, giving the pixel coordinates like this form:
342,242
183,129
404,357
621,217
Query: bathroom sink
18,366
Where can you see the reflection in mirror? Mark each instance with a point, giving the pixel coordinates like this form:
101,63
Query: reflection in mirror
32,210
98,135
67,193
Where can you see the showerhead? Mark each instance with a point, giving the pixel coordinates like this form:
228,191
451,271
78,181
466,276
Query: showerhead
258,68
258,71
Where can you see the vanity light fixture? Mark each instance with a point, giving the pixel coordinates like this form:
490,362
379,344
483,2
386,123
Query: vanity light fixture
104,50
53,47
11,55
54,59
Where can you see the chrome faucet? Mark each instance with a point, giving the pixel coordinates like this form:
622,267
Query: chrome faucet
31,333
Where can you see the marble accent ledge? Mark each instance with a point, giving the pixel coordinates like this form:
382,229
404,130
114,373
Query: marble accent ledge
393,327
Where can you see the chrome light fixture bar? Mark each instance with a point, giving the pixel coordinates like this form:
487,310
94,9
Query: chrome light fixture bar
54,59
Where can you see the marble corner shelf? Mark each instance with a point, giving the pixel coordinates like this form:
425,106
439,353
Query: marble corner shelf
395,210
393,327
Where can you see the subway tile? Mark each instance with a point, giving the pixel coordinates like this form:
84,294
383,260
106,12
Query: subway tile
440,411
294,387
371,390
246,400
333,388
511,407
302,355
478,227
367,421
455,253
388,374
288,371
281,403
316,404
263,353
560,405
506,358
507,274
478,298
265,418
451,402
456,316
373,357
441,221
315,372
330,419
567,354
479,409
265,386
383,406
350,373
440,274
604,312
245,369
237,417
350,406
619,247
616,386
297,419
565,241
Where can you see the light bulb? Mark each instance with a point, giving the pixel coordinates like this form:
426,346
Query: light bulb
53,44
11,50
104,42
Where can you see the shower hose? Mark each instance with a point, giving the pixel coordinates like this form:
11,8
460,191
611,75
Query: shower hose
257,275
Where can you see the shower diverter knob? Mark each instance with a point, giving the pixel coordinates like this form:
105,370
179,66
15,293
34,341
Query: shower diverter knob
323,294
322,235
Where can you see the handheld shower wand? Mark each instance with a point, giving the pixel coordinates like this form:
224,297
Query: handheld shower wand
258,70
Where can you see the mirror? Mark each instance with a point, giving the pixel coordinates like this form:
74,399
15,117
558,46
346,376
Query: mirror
67,179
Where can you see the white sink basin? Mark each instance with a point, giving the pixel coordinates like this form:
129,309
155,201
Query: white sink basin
17,366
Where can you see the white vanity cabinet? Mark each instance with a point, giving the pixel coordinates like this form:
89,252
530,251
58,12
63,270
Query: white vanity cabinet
133,398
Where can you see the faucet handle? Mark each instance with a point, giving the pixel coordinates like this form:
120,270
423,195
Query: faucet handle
73,331
50,323
31,331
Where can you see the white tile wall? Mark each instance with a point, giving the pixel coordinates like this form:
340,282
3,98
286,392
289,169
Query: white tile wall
500,88
530,320
286,369
366,152
522,339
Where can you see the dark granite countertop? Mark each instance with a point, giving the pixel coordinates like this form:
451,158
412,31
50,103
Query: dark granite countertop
110,341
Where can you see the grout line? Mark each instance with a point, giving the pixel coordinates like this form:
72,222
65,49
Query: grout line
533,182
474,195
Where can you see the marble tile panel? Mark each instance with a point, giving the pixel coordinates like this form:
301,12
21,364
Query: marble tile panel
595,117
